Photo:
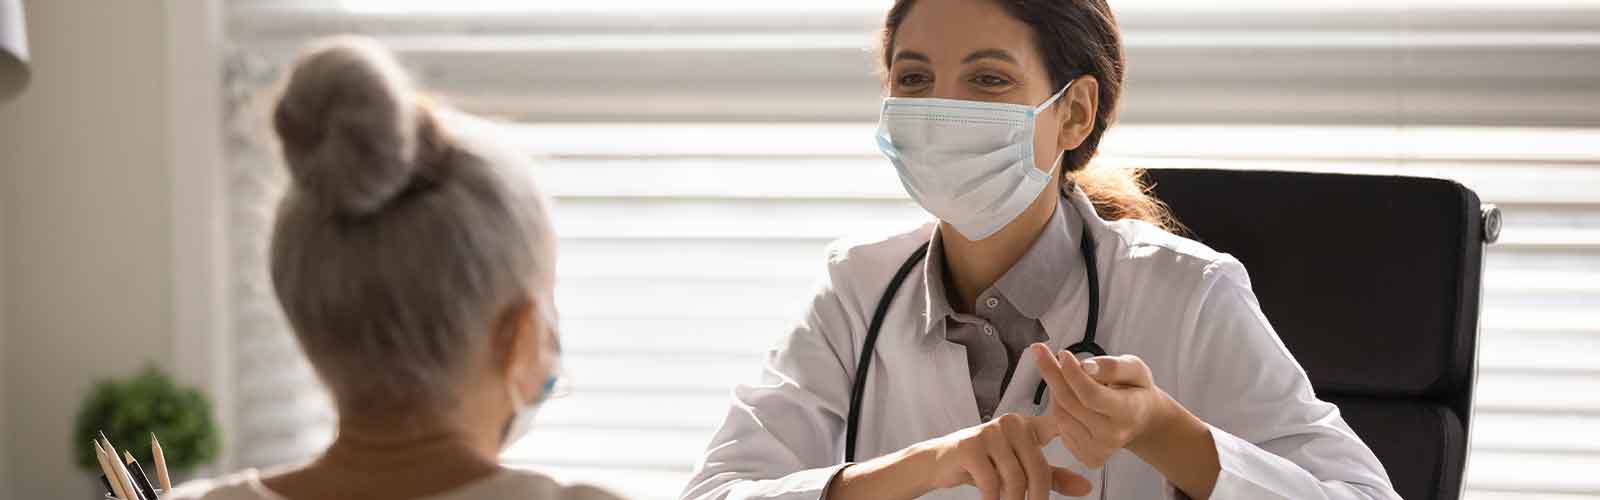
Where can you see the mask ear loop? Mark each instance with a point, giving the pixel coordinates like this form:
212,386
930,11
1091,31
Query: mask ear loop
556,383
1052,100
1047,103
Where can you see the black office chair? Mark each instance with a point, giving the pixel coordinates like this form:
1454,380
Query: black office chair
1373,283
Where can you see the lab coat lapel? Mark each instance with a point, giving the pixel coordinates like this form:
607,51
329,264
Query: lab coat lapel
952,384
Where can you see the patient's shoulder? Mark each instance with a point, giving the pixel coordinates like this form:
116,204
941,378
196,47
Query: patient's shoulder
242,485
521,483
508,483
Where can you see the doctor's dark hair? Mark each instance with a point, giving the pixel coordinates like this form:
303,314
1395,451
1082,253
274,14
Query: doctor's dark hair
403,235
1076,38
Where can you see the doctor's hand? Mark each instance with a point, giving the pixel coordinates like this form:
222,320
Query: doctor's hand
1104,404
1002,458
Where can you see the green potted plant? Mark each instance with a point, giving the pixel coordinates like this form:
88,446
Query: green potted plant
150,402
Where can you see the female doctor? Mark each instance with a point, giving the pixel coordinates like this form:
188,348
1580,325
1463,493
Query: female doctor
967,381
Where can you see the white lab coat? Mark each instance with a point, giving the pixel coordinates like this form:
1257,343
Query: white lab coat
1185,309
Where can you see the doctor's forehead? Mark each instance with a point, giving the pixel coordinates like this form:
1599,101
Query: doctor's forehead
948,31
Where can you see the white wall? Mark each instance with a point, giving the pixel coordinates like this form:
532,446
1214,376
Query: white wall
89,243
5,439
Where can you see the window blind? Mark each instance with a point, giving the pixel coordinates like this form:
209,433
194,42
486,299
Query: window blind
702,154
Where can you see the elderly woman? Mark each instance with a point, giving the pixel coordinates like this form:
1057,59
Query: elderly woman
415,263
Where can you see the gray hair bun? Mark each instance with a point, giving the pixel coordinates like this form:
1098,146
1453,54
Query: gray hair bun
348,122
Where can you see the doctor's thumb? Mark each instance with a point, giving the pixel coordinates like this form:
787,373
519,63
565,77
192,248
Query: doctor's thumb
1069,483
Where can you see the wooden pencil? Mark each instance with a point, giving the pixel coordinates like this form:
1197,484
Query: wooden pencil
111,474
161,464
123,475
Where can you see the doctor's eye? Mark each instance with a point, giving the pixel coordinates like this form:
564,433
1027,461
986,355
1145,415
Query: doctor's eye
990,81
912,80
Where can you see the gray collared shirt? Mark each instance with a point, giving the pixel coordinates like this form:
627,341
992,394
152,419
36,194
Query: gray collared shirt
1005,319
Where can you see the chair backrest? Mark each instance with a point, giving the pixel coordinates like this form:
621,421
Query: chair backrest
1373,283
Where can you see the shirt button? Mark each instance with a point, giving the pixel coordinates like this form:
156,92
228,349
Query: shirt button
987,416
988,330
992,302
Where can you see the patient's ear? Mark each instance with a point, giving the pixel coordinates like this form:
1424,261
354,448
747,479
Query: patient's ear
515,342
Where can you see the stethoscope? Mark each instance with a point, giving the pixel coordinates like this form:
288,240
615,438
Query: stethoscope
1086,347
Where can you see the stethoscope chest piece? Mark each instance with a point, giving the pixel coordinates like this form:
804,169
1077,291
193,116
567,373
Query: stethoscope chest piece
1086,349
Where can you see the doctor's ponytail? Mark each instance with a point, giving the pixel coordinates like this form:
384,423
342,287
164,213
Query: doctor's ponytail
1077,38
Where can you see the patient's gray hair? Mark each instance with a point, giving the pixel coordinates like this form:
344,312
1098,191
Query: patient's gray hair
403,236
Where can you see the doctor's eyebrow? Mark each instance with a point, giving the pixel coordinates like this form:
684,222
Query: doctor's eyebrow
911,55
1000,54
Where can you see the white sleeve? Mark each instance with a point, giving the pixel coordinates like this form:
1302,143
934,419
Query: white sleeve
1274,438
781,437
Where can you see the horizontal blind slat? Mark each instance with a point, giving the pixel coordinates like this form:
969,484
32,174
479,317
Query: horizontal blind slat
1383,143
1540,473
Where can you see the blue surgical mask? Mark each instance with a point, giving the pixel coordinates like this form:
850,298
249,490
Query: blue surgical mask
969,163
522,421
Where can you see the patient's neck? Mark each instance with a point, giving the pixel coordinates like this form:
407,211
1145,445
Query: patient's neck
393,457
365,440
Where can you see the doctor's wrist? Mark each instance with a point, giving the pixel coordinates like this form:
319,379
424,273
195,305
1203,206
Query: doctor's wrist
1178,444
1167,422
903,474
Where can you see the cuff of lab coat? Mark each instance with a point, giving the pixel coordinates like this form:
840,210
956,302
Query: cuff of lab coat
812,483
1242,465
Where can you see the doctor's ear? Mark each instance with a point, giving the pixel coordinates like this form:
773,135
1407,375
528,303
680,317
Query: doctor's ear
515,342
1077,110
